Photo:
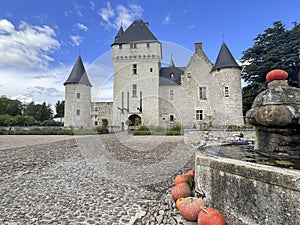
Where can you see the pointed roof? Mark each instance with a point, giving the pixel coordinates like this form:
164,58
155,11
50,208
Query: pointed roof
78,74
172,64
225,59
138,31
120,32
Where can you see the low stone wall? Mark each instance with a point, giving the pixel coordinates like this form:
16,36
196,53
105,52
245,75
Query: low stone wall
195,136
247,192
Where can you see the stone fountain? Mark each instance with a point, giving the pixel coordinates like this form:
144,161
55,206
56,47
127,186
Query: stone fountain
275,113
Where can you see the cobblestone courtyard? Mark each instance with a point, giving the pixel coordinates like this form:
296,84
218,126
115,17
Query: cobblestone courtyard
98,179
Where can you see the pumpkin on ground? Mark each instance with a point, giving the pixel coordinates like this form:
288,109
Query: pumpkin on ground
190,208
276,74
178,202
183,178
191,173
182,190
210,216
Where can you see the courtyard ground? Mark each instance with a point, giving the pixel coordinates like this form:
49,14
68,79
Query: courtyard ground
99,179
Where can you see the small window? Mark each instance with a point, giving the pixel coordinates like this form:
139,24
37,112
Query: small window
171,94
78,95
172,118
199,115
96,123
151,70
133,45
172,75
226,91
120,46
202,93
134,68
134,90
78,112
148,45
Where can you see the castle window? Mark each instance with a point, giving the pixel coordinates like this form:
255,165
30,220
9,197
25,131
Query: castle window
134,68
202,93
226,91
172,118
148,45
96,123
78,95
134,90
78,112
133,45
171,94
199,115
172,75
120,46
151,70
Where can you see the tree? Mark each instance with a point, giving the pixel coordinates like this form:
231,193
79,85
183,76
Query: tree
276,48
10,107
60,109
40,112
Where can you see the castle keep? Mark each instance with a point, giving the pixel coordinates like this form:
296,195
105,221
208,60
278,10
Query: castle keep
198,95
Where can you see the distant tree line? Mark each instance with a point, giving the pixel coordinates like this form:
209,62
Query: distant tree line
16,113
276,48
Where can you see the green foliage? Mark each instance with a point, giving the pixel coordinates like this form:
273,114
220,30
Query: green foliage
105,122
60,109
276,48
144,130
40,112
10,107
8,121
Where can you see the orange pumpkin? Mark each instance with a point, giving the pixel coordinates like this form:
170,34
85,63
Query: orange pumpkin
276,74
190,208
210,216
178,202
182,190
184,178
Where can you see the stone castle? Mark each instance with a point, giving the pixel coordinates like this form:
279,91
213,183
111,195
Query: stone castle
198,95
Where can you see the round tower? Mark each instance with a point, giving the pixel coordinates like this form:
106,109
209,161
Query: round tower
78,98
226,72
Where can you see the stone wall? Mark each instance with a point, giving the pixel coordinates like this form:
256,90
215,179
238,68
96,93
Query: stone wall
247,192
101,110
77,106
195,136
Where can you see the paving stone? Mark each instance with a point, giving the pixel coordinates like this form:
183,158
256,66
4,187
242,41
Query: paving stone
99,179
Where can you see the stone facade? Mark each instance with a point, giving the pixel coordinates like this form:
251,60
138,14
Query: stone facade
101,110
198,95
77,106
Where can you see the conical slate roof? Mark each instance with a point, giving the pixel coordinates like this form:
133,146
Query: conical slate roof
78,74
138,31
119,34
225,59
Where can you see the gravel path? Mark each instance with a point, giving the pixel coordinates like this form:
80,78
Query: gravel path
100,179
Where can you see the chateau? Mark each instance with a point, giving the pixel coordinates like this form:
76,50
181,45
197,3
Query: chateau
198,95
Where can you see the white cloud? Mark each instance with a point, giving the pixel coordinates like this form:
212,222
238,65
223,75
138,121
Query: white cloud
167,19
27,46
113,18
38,85
76,40
82,27
92,5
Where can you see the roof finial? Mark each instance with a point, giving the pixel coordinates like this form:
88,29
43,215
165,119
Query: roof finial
223,37
172,64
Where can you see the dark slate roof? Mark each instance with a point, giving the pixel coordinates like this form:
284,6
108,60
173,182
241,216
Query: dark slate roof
78,74
119,34
225,59
166,77
138,31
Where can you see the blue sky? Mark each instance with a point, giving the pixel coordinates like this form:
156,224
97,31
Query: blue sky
40,40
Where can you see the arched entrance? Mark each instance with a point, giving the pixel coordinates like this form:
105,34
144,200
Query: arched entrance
135,119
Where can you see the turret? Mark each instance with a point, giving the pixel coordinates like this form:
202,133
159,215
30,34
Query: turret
78,97
228,100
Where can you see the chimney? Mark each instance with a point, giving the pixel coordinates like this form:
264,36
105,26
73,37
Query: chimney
198,47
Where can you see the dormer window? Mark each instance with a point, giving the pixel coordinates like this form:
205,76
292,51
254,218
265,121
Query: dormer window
172,75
